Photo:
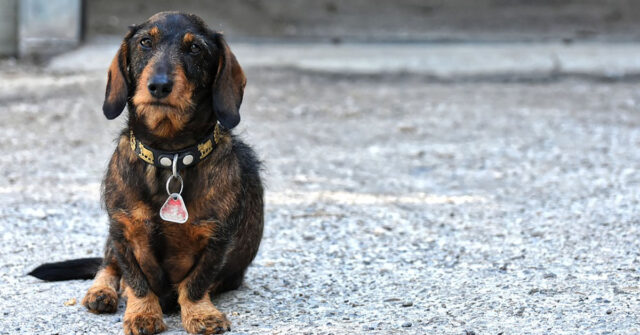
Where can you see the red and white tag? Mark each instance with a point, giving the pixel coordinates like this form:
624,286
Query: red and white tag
174,209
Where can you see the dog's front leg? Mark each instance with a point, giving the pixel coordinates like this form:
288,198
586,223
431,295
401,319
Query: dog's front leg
142,275
143,314
199,315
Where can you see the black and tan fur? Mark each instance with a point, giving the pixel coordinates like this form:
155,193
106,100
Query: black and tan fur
155,263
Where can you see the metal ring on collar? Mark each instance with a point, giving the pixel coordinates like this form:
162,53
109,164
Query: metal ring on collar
169,182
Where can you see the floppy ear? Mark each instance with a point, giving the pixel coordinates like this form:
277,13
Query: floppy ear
117,93
228,86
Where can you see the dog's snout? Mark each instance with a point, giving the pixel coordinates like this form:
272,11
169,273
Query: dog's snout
160,86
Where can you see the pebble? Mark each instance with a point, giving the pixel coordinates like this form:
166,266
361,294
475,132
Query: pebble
368,327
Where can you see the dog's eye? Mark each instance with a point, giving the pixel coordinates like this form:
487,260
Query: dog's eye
145,42
194,49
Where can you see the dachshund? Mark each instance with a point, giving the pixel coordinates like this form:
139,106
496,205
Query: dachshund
183,195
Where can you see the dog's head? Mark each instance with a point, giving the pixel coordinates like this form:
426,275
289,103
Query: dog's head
172,69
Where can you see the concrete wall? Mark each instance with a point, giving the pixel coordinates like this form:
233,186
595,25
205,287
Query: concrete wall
390,20
8,27
48,27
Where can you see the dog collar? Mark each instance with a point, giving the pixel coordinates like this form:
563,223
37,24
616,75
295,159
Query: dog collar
186,157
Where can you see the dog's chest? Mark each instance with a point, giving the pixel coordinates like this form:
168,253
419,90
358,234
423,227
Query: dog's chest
183,244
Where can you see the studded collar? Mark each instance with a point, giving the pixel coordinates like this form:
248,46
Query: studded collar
187,157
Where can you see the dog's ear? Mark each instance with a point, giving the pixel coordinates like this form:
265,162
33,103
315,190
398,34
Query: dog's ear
117,92
228,86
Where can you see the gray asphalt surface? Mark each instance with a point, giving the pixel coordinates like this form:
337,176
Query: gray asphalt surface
394,205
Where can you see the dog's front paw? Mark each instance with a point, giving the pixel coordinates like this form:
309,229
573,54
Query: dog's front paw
143,324
101,300
206,321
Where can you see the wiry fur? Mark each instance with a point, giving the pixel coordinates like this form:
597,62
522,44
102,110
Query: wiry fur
162,263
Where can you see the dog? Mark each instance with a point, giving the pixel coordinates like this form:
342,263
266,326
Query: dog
183,195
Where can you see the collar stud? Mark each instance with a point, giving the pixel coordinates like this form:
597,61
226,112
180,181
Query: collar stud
165,161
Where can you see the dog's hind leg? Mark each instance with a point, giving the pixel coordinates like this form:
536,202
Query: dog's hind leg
229,283
102,296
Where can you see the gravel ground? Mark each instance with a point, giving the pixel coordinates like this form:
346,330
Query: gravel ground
394,205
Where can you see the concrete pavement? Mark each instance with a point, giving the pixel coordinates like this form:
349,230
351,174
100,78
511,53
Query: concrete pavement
394,205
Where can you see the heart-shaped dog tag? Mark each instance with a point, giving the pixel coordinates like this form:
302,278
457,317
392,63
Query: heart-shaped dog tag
174,209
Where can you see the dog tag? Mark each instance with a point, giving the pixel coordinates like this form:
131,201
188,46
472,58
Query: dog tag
174,209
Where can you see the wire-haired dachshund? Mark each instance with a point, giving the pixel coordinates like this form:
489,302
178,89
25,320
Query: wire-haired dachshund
183,195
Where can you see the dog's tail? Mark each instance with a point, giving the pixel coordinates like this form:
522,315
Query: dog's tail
82,268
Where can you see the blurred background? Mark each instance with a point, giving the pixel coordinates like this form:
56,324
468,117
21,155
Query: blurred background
335,21
443,39
441,167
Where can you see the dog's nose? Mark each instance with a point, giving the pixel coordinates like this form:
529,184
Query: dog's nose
160,86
